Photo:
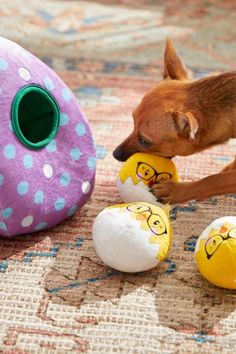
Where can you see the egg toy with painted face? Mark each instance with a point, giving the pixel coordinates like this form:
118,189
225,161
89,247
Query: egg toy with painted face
132,237
140,172
215,252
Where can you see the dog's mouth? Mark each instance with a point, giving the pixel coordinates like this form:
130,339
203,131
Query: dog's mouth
122,154
167,157
162,155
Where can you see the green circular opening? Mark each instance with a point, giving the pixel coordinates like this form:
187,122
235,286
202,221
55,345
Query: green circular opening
35,116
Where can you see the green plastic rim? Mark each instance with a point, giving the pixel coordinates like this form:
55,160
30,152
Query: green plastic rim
35,116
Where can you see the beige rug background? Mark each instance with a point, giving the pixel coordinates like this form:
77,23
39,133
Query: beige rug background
56,295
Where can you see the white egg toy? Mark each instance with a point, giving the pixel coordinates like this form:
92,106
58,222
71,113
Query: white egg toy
132,237
140,172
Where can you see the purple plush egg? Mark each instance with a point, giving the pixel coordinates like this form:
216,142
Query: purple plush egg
48,157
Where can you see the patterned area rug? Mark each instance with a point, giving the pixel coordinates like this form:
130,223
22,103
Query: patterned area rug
56,295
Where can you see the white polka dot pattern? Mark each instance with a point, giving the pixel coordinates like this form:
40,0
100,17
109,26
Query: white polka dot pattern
24,74
47,170
85,187
40,188
27,221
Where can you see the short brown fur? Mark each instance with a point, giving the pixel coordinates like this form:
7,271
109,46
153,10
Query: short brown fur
182,117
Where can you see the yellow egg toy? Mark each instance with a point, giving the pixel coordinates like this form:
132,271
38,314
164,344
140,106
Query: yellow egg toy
140,172
132,237
215,252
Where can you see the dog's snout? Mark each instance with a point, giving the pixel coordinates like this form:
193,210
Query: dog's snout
125,149
119,155
122,153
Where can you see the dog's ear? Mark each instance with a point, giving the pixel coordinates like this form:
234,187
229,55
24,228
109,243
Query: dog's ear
186,124
173,67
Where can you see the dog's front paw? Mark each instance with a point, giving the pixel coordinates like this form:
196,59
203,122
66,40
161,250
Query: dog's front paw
174,192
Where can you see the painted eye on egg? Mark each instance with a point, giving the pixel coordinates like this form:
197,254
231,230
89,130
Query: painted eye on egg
212,245
145,171
156,224
138,208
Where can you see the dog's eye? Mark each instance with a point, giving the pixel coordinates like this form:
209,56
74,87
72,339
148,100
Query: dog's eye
144,142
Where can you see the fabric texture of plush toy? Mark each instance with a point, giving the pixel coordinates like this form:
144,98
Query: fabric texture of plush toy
140,172
215,252
132,237
47,151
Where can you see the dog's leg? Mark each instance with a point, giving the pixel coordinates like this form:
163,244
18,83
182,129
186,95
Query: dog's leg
230,166
177,192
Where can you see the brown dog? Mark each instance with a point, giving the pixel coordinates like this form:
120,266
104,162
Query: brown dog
181,117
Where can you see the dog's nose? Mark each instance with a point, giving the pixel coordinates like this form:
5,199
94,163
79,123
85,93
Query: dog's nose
122,154
119,155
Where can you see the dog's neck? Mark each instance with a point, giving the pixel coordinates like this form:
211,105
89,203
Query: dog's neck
213,102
